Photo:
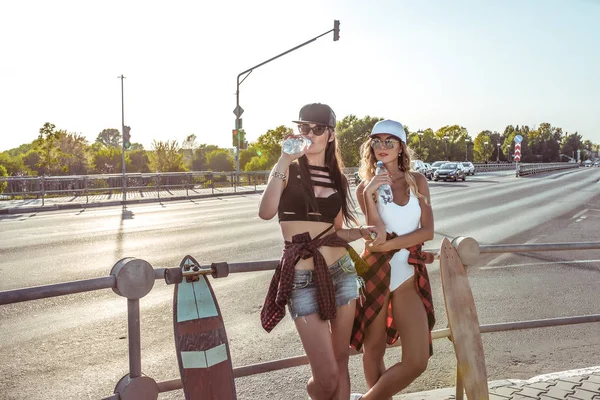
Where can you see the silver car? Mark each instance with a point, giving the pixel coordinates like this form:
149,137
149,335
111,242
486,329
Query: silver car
469,168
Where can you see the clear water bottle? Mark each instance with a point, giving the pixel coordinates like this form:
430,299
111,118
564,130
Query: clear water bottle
295,144
385,191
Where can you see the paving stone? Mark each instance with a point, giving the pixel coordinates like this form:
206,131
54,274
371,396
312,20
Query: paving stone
529,391
494,396
567,384
517,396
558,393
507,391
591,386
594,378
542,385
582,395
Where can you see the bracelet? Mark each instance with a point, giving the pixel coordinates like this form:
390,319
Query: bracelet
279,175
360,228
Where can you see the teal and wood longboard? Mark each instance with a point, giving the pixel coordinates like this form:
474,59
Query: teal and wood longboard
200,338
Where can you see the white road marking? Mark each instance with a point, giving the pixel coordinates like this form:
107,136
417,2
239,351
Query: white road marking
580,213
566,262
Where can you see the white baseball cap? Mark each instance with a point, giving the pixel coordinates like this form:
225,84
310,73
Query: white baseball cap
387,126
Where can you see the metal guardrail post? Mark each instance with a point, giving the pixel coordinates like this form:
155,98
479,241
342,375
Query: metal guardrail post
42,189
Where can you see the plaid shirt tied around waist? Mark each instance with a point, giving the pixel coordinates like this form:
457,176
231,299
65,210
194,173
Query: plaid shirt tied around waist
377,286
280,289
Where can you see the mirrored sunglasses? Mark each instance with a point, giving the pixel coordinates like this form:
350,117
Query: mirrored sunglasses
387,143
318,130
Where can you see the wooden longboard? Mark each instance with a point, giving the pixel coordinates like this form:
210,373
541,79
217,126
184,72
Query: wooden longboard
463,323
200,339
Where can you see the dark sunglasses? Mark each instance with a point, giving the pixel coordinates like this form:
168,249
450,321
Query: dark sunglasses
318,130
387,143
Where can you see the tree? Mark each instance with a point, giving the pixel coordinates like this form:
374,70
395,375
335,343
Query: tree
14,164
166,157
108,160
109,137
481,150
220,160
46,143
3,174
73,155
269,144
187,148
452,139
246,156
571,144
351,133
139,161
199,160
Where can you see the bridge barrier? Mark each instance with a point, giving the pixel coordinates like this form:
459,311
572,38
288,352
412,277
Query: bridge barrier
530,169
134,278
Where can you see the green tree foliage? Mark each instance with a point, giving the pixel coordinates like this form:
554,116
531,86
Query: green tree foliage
166,157
3,173
138,161
108,160
220,160
47,146
571,144
246,156
482,147
13,164
199,162
351,133
109,138
73,154
268,149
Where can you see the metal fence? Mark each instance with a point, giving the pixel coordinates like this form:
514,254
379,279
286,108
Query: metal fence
530,169
134,278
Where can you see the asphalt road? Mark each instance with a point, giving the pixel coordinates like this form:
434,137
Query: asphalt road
75,347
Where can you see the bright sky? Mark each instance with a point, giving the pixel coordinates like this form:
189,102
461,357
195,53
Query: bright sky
480,64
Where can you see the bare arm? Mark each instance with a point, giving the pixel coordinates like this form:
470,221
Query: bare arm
269,202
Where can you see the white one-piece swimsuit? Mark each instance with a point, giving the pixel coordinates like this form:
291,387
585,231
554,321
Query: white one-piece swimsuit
400,220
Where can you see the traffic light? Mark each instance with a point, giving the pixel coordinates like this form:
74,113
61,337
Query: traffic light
336,30
234,138
126,137
243,143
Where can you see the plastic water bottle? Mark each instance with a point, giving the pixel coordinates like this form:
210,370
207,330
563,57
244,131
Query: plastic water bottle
295,144
385,191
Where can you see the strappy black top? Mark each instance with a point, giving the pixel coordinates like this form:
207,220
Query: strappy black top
293,206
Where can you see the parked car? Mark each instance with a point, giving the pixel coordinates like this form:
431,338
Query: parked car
469,168
587,163
437,164
419,166
450,170
356,178
429,170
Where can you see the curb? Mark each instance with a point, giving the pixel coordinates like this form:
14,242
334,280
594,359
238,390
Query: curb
69,206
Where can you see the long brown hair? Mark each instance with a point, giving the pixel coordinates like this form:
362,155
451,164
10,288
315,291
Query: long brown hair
333,161
368,163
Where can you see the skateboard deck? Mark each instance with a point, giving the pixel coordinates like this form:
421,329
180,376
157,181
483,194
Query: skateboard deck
463,324
200,338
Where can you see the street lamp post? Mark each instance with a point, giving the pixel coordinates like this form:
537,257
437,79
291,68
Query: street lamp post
485,150
446,140
238,111
498,155
467,143
420,133
123,136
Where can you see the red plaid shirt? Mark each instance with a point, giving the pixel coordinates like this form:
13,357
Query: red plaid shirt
280,289
377,286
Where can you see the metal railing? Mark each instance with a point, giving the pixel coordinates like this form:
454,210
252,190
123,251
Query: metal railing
134,278
530,169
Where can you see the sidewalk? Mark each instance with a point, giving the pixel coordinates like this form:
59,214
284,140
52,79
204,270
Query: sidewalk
578,384
116,198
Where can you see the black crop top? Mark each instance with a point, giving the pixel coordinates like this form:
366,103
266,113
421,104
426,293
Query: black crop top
294,207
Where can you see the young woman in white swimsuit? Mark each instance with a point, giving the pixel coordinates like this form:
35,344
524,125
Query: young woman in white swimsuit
399,303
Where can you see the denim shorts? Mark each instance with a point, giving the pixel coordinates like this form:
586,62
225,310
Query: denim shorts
303,300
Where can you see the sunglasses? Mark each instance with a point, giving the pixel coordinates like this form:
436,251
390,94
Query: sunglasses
387,143
318,130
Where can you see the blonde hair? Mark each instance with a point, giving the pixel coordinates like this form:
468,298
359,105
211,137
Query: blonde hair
368,163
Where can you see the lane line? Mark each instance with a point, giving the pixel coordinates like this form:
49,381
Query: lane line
540,263
580,213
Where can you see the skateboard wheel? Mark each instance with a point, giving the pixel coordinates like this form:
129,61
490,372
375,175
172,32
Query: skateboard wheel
220,270
173,275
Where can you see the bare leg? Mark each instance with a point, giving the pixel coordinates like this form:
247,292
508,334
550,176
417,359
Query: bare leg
316,339
341,330
411,321
374,347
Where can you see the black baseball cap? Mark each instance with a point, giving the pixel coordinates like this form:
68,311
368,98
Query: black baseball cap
316,113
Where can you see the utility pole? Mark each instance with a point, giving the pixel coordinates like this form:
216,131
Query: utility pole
123,137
